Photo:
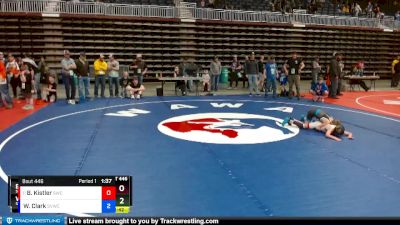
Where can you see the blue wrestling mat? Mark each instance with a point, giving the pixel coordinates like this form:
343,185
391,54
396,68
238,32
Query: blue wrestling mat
245,165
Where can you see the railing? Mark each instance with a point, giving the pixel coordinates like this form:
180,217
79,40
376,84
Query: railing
190,11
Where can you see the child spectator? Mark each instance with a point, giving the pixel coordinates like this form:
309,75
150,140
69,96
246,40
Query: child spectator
27,75
319,90
51,90
271,71
135,88
206,81
283,80
123,83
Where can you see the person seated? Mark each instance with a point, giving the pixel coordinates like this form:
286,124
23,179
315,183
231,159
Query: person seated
135,89
319,90
123,83
181,84
51,89
358,70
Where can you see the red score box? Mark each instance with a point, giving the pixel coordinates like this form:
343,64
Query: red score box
108,193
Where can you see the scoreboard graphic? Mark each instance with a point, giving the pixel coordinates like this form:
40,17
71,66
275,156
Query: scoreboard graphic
70,194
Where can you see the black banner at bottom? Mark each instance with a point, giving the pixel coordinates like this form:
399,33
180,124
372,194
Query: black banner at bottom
212,221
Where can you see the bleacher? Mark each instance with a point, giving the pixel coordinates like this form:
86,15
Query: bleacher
164,42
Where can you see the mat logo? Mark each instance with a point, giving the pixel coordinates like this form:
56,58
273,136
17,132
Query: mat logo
9,220
227,128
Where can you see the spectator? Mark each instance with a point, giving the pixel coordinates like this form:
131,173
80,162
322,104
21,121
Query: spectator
206,81
215,71
251,70
135,88
319,90
334,75
397,16
316,69
234,72
82,71
369,9
358,70
377,10
211,4
41,77
261,74
5,99
203,4
27,85
244,76
68,65
357,10
113,68
293,67
100,69
13,74
51,90
180,83
139,67
192,70
123,83
283,80
395,72
271,72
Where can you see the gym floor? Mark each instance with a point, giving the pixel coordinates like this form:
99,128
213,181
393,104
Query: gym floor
263,170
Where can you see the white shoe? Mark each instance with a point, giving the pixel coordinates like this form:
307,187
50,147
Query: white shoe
72,102
132,97
137,97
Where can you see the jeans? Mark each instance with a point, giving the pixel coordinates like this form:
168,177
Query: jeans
102,79
214,82
335,86
4,95
253,80
270,84
113,81
38,86
83,86
70,87
294,79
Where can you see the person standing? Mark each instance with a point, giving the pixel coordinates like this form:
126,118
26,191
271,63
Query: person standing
13,74
215,71
261,74
113,75
316,69
100,69
251,70
68,66
82,71
334,75
5,99
293,67
39,73
395,72
139,67
271,71
234,72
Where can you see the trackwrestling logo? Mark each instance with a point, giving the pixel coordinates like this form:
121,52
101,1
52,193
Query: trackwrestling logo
227,128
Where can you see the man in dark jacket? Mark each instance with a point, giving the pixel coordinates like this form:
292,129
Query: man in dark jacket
334,75
252,70
82,71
